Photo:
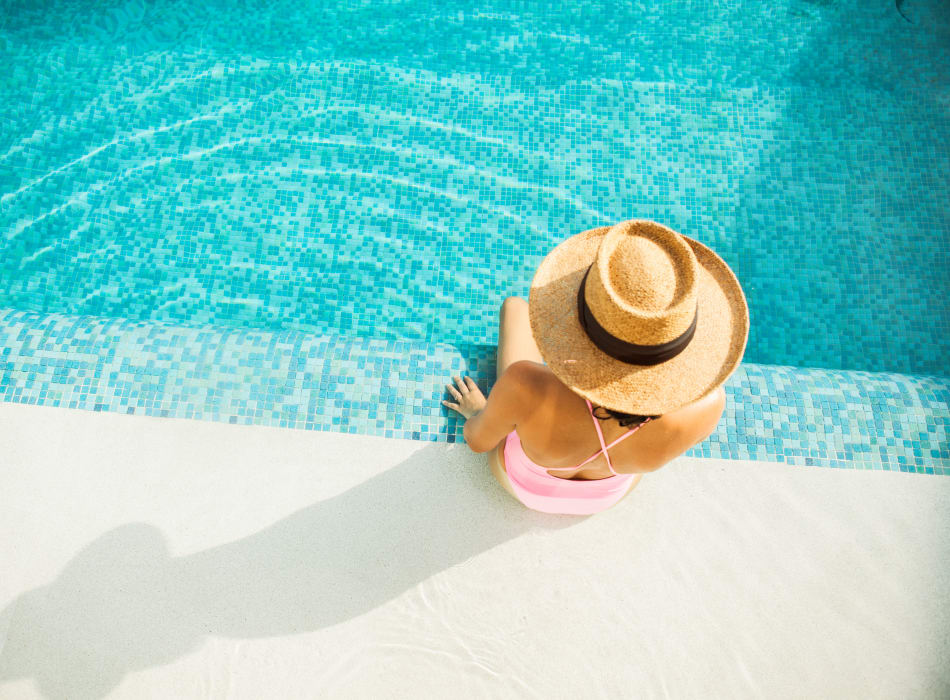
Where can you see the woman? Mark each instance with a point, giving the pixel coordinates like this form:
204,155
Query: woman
639,327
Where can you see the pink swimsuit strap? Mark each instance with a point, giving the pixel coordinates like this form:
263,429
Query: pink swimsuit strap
603,447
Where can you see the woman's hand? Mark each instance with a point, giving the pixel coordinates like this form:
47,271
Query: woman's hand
469,398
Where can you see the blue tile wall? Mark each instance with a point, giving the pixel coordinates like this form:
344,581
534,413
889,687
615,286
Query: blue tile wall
393,388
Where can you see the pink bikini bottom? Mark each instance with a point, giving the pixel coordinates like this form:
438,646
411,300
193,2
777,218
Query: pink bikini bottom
539,490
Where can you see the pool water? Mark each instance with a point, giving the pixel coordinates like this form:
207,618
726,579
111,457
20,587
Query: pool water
394,170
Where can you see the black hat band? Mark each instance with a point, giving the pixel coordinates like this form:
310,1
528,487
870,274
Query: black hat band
631,353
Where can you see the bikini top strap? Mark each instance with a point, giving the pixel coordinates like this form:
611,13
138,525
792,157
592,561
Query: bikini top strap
628,433
600,437
603,447
600,433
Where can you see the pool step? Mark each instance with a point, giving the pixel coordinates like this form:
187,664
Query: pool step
393,388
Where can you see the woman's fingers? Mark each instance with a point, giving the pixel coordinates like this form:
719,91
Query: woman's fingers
468,397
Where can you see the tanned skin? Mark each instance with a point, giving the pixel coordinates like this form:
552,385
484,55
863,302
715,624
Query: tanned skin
553,422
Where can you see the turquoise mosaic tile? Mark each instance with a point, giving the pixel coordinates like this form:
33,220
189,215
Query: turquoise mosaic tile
393,388
313,224
348,162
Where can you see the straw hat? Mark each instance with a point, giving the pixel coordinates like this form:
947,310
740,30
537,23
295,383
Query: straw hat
637,317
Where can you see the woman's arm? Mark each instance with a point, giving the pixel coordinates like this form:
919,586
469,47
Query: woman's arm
500,413
681,430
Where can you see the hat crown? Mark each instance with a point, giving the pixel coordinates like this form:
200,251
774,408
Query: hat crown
642,285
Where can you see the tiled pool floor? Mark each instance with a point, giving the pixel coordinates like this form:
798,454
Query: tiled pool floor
396,170
390,388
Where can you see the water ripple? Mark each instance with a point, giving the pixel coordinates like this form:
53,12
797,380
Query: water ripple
191,155
425,188
114,142
403,151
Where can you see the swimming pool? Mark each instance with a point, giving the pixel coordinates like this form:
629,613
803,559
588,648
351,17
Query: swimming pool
395,170
372,179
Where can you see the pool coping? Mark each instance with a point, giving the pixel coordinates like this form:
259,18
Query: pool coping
110,520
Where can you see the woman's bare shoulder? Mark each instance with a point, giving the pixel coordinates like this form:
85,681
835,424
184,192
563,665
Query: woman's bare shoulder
532,375
528,383
696,421
670,435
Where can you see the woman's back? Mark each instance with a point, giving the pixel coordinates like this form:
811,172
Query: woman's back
635,317
558,430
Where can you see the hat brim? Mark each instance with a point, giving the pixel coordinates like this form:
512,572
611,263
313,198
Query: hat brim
712,355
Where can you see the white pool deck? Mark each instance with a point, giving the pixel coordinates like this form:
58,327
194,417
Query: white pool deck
167,558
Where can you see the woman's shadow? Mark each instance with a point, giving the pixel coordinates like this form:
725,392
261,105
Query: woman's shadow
124,604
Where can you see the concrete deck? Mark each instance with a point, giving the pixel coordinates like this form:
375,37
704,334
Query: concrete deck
147,557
